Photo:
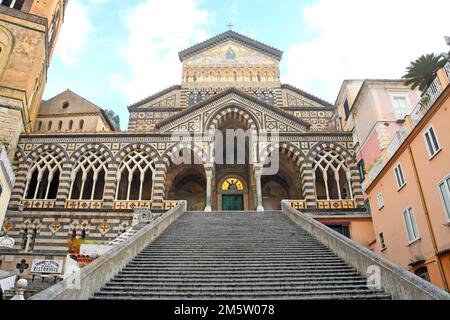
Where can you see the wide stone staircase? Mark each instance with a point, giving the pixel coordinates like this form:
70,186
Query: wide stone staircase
237,255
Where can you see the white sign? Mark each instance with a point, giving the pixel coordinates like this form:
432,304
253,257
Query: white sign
93,250
47,266
7,242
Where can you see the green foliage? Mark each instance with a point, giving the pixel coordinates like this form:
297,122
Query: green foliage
114,118
422,72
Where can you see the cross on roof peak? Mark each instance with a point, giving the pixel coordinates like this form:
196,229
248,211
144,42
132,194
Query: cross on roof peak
230,26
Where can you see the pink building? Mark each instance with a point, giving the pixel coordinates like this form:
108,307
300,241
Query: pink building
374,110
409,191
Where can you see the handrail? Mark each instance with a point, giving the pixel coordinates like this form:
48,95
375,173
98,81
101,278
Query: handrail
394,280
93,277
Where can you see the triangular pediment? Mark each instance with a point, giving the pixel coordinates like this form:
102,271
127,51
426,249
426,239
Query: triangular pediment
235,38
263,116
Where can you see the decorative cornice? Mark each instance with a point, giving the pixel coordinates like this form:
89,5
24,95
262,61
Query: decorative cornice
261,47
236,92
307,95
136,105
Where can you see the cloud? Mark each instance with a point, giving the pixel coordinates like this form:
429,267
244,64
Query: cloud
158,29
363,39
74,33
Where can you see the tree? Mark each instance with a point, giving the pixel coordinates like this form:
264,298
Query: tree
114,118
422,72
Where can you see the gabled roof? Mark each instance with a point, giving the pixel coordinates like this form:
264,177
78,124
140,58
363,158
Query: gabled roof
153,97
307,95
227,36
237,92
70,95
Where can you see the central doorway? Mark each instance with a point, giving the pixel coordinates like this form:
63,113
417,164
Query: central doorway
232,202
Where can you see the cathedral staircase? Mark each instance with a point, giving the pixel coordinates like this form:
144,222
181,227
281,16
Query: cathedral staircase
237,255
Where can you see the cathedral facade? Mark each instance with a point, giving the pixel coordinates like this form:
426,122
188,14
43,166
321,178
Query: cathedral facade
85,184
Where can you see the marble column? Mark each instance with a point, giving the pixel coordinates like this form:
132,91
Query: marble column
209,175
258,173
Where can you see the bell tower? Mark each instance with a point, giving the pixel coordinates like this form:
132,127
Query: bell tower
28,34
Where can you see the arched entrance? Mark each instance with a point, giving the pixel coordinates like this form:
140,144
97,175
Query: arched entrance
232,192
188,182
285,185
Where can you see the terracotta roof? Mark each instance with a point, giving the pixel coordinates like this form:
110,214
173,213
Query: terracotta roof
242,94
226,36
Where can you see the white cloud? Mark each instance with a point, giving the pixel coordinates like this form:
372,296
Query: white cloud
74,32
158,30
364,39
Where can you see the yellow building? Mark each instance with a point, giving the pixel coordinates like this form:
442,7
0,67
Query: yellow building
28,32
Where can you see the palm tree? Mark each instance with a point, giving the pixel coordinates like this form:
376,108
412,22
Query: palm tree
422,72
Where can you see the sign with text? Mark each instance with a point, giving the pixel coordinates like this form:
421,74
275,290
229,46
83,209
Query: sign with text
47,266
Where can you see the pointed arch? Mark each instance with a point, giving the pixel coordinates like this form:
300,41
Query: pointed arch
332,169
89,172
233,112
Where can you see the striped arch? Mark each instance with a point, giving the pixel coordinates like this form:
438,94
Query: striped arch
109,190
292,152
232,112
92,146
25,163
350,162
165,164
121,156
136,146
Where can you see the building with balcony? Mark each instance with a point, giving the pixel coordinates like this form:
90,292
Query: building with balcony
374,111
409,192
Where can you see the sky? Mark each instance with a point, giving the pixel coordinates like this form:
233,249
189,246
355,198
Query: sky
115,52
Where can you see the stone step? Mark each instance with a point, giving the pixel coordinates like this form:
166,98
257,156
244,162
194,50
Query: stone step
245,294
236,282
236,255
235,268
224,277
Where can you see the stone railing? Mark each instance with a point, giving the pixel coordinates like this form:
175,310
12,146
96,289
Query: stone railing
399,283
399,138
447,70
428,98
93,277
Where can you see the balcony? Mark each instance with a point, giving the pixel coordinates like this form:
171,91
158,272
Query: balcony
428,99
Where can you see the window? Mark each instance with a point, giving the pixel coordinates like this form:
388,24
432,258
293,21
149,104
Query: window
361,170
60,123
346,109
382,241
39,126
43,177
422,272
444,187
401,105
368,208
15,4
340,228
81,125
135,177
399,176
70,124
432,142
411,225
380,201
1,189
332,177
49,125
88,177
